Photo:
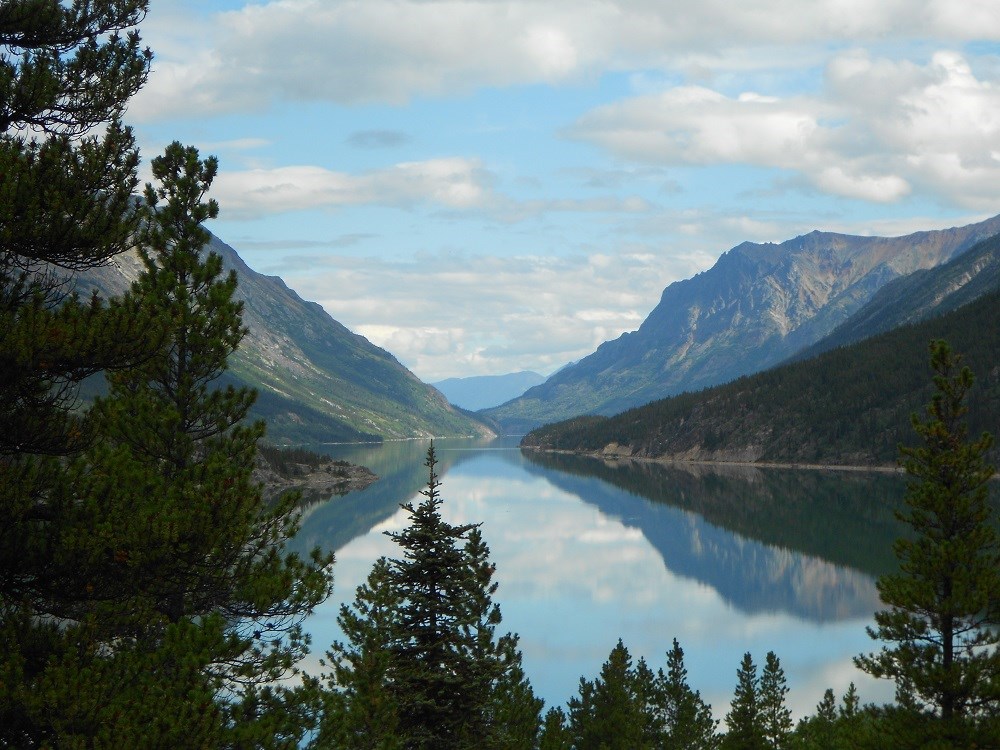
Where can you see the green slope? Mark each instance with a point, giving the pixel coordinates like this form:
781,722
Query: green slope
317,380
849,406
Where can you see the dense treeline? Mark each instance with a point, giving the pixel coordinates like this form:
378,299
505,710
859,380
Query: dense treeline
293,461
848,406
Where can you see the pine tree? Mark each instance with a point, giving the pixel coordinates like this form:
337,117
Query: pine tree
617,709
687,719
744,721
193,610
67,174
202,549
942,616
422,662
555,734
776,719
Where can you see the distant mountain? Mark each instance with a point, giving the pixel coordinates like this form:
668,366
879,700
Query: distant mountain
759,305
483,391
848,406
317,380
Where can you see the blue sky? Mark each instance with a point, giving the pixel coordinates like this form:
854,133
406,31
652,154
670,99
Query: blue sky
485,187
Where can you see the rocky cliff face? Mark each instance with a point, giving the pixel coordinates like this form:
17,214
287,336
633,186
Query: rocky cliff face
759,304
317,380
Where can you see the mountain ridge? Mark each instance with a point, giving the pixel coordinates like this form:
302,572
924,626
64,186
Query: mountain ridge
847,406
757,306
484,391
317,381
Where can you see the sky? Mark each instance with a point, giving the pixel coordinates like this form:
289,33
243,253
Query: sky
483,187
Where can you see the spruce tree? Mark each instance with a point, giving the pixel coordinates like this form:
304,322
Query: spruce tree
776,719
422,663
686,718
745,729
617,709
940,628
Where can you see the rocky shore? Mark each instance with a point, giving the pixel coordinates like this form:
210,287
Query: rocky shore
317,481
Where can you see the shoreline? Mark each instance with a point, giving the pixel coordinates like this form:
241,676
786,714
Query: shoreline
860,468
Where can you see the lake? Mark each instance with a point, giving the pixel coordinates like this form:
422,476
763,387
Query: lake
726,560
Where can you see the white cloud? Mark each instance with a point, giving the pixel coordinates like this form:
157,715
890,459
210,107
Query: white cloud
879,128
352,51
449,182
449,315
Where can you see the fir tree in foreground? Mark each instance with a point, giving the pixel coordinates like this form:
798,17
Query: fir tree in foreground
198,554
422,666
941,628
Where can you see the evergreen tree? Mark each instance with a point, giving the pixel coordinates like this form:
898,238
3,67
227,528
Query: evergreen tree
687,720
942,616
617,709
818,732
422,662
744,721
555,734
360,708
776,719
67,174
201,548
193,610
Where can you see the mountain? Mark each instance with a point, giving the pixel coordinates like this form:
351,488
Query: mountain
757,306
317,381
848,406
484,391
922,294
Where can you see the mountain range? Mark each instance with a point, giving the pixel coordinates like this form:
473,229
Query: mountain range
485,391
850,404
316,380
759,305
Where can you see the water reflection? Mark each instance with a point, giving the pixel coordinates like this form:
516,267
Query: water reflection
768,540
588,552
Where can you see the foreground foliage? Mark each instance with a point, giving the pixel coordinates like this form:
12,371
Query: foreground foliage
942,624
422,666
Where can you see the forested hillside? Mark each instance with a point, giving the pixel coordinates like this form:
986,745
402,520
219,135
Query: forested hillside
317,380
847,406
759,305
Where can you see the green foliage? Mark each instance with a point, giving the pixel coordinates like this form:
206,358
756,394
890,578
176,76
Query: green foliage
847,406
612,711
776,719
628,706
942,621
192,537
422,666
686,719
67,173
745,722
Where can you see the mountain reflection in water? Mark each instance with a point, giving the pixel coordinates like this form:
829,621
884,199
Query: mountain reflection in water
767,540
588,552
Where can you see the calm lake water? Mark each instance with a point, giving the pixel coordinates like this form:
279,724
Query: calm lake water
726,561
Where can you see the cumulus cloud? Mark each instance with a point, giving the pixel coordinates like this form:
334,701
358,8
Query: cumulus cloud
449,182
468,314
352,51
879,128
